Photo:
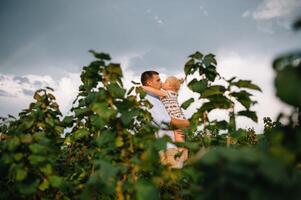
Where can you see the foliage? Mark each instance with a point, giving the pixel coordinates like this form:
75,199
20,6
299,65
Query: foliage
30,147
106,149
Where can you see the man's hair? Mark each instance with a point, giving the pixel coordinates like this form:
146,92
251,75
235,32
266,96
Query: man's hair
147,75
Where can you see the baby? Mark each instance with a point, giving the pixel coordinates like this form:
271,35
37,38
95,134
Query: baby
169,98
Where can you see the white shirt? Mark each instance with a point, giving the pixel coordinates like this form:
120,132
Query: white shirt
160,118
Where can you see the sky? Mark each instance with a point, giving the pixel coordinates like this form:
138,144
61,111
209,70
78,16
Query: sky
46,43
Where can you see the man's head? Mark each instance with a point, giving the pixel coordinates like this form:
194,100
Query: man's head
152,79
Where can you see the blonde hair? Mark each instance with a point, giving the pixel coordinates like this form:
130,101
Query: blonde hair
175,82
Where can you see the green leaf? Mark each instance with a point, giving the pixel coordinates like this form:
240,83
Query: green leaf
11,116
210,72
106,137
56,181
101,56
103,110
130,90
13,143
107,173
160,144
223,124
217,102
128,117
68,121
213,90
36,159
219,98
114,69
49,88
209,60
28,188
287,84
44,185
146,191
231,79
80,111
297,24
246,84
21,174
243,97
50,121
187,103
198,86
135,83
46,169
119,142
197,55
36,96
38,149
116,91
97,121
18,156
80,133
250,114
59,129
27,123
189,66
141,92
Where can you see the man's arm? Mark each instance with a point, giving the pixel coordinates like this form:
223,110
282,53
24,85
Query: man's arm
154,91
180,123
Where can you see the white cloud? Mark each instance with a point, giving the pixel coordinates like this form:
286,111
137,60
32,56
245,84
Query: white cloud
148,11
270,9
15,90
205,12
283,11
125,62
256,68
247,13
154,17
265,27
158,19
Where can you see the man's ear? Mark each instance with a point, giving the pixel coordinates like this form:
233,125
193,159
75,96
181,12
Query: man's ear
148,83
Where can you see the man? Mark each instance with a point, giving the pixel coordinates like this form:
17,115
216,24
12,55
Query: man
161,119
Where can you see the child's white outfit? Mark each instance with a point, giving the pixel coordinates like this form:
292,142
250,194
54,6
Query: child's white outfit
171,104
170,101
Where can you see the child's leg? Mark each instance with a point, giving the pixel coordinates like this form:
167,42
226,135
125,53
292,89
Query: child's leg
180,137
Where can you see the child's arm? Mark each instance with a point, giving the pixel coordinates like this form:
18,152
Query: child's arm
154,91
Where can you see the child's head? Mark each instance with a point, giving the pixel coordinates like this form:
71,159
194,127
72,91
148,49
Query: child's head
172,83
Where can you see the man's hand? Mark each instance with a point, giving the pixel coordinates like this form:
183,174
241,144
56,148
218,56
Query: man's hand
179,135
180,123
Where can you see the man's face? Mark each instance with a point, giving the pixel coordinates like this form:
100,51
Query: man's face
155,82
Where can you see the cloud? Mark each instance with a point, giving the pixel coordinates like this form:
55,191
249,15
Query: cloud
270,9
155,17
283,11
247,13
16,91
21,88
126,61
205,12
256,68
158,19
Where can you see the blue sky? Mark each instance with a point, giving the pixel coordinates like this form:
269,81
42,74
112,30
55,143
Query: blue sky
46,43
